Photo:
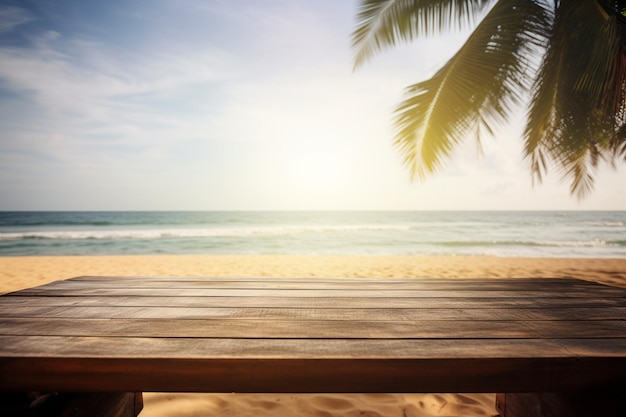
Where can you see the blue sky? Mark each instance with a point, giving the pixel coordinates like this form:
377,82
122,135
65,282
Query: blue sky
230,105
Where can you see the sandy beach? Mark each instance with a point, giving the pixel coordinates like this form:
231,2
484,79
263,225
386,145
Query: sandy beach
22,272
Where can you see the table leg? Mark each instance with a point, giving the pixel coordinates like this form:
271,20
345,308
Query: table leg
581,404
101,404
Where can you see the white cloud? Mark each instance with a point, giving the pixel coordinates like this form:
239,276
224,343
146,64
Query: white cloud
11,17
88,90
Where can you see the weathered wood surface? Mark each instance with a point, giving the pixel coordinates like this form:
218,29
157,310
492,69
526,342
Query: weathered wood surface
313,335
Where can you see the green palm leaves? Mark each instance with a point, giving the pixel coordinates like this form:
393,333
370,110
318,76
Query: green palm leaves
568,57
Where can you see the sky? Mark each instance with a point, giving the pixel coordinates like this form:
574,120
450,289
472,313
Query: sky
232,105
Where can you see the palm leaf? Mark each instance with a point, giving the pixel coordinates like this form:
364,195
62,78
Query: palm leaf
475,89
577,96
383,23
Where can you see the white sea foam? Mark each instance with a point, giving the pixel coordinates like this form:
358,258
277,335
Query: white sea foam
547,243
604,224
199,232
595,243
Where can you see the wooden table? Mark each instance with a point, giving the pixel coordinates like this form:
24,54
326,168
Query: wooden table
133,334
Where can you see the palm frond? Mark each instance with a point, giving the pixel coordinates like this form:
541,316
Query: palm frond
541,126
384,23
577,112
577,96
478,87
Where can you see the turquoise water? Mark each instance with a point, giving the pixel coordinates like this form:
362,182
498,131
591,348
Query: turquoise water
549,234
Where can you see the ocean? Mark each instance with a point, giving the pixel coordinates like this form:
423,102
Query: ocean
591,234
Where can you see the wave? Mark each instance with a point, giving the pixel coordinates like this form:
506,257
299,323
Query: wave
57,223
604,224
595,243
286,231
196,233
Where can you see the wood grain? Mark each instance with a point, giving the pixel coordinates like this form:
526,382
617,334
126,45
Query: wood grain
312,335
280,301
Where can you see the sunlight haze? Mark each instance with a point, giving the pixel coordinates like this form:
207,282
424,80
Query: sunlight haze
248,105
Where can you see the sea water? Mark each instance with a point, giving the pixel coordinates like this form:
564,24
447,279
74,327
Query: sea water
488,233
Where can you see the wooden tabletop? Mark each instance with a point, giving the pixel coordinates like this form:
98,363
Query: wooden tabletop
312,335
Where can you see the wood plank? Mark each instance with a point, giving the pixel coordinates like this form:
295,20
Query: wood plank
211,374
286,329
301,284
206,348
61,290
103,311
360,280
293,302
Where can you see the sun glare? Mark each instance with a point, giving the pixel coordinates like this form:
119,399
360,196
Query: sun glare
315,167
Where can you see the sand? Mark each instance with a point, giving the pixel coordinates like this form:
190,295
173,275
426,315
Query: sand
22,272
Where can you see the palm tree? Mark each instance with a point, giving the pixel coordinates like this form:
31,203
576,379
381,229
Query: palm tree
564,59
